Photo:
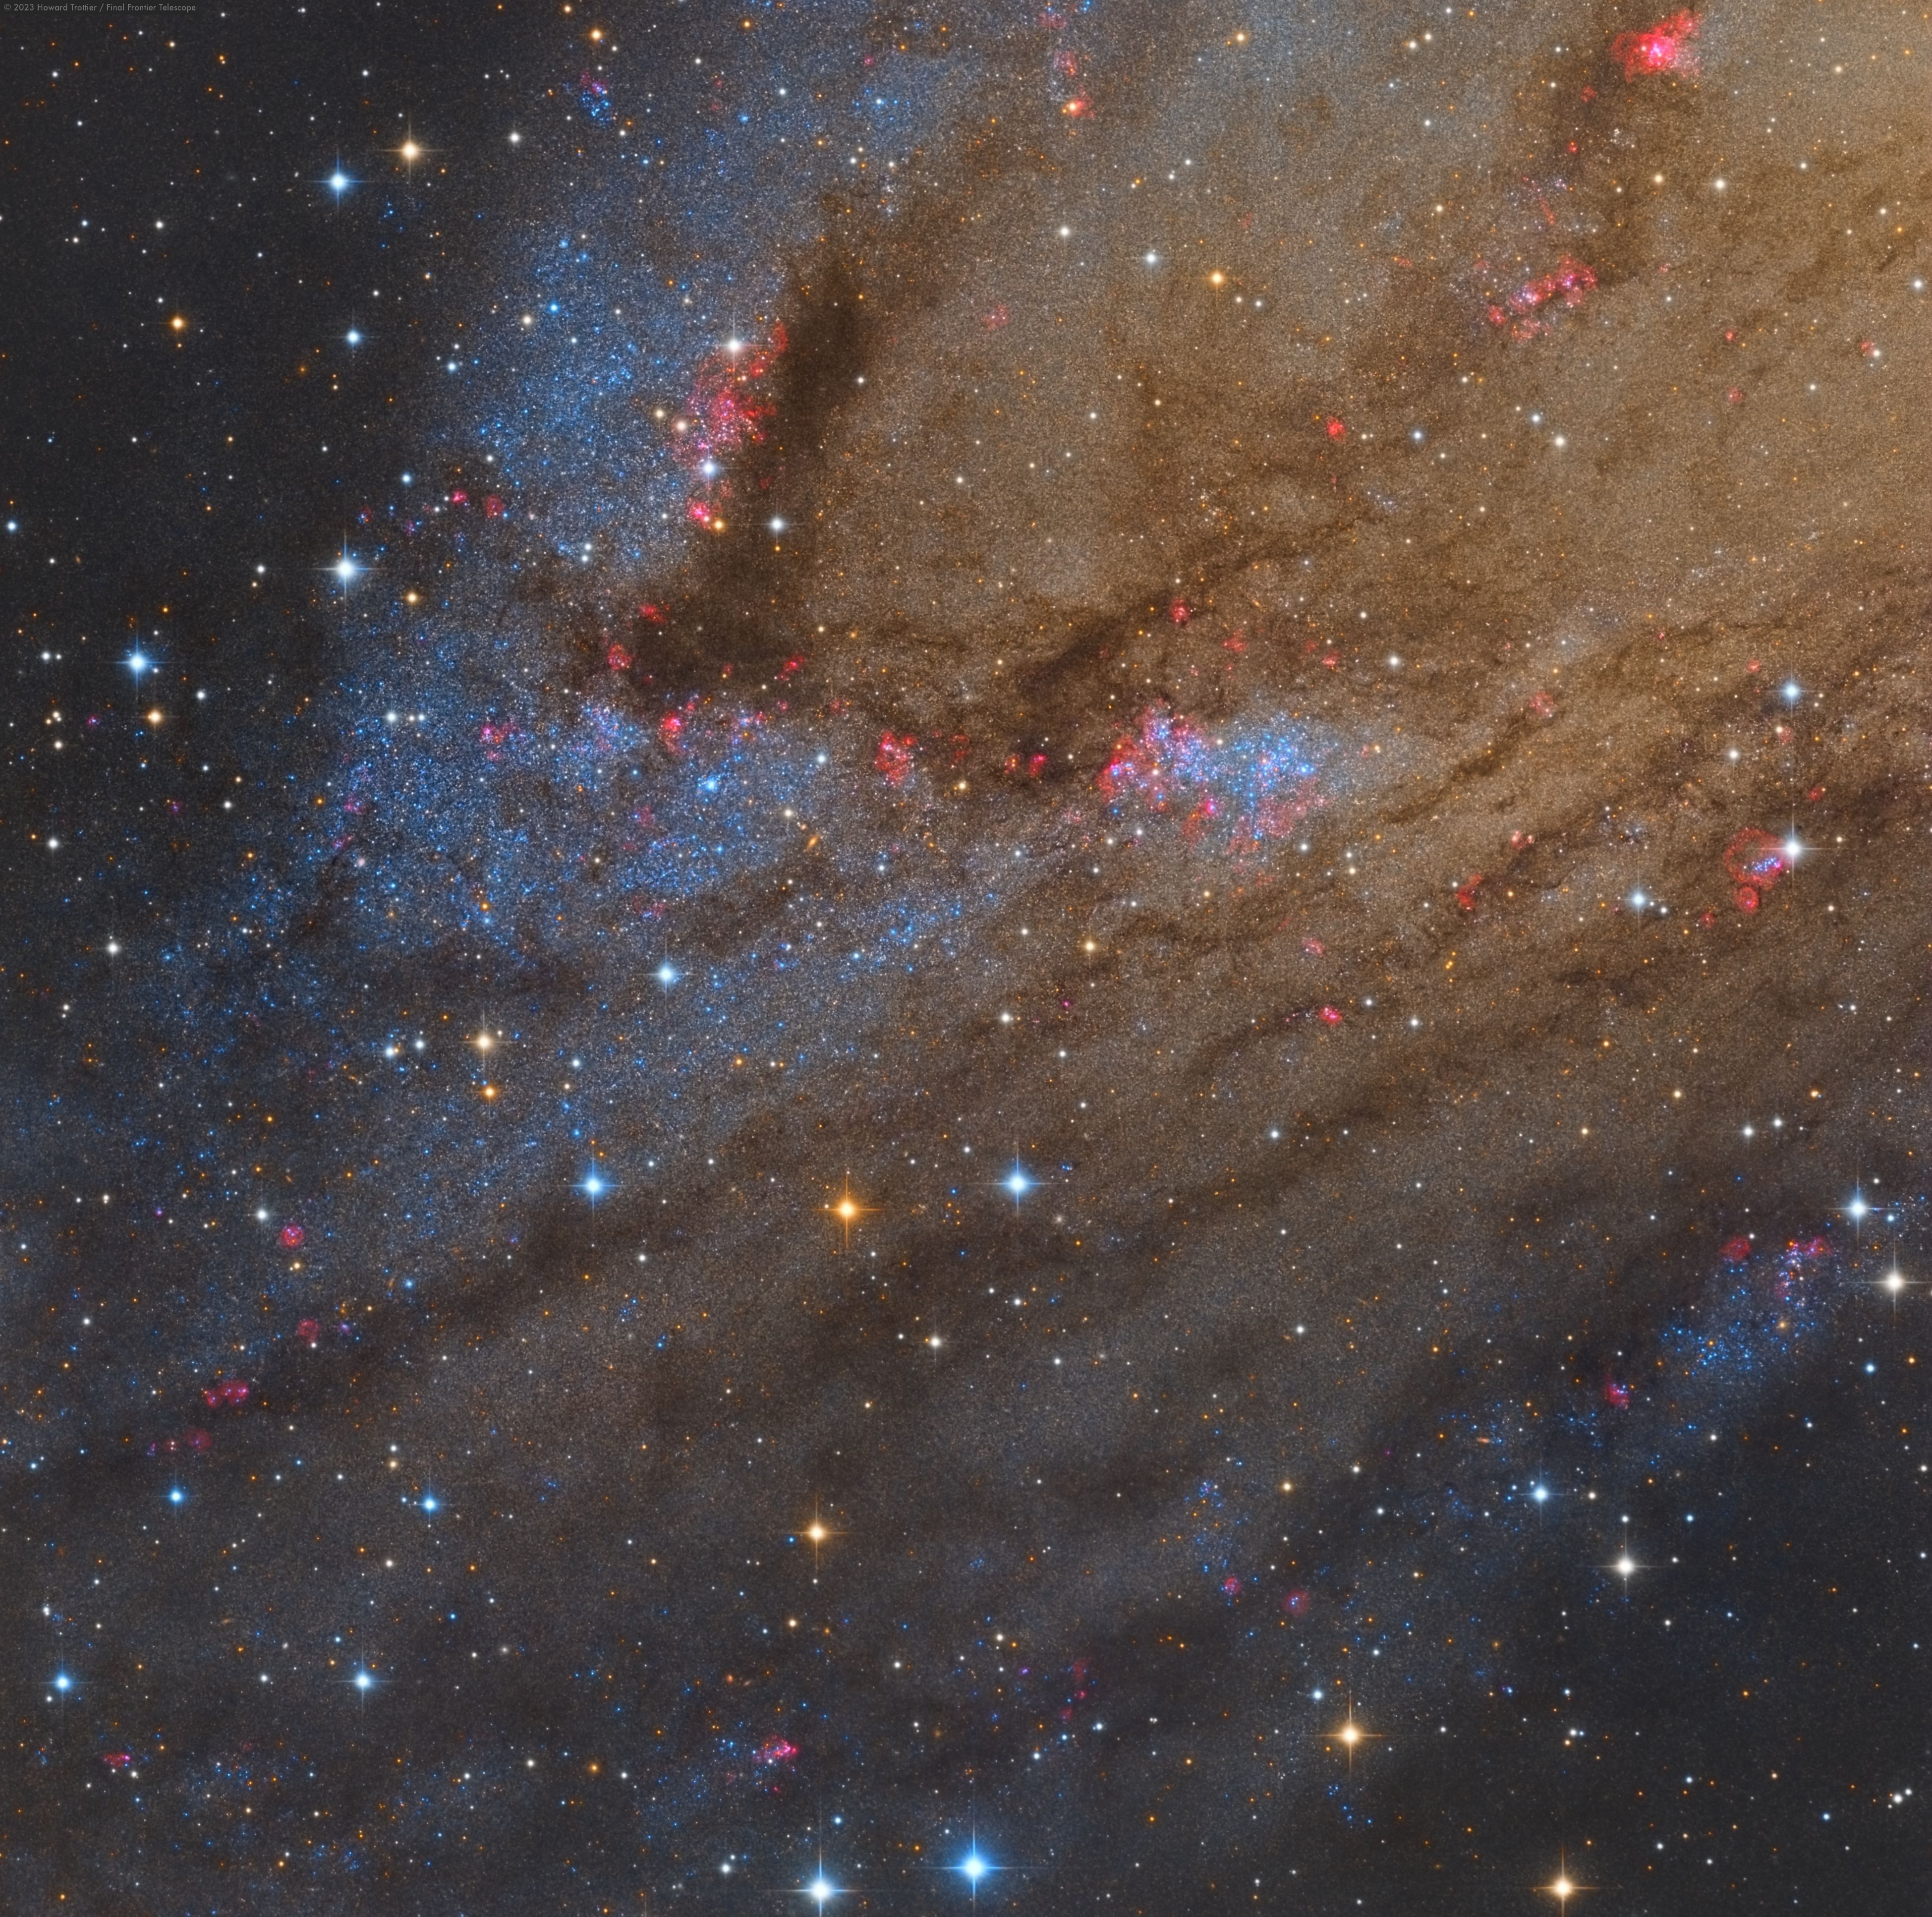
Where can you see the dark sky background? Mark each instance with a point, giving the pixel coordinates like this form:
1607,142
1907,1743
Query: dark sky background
965,958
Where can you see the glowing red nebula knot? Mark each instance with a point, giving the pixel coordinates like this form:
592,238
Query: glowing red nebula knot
1664,48
1756,859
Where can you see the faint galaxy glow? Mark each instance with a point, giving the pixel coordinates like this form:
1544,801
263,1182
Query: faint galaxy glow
997,1016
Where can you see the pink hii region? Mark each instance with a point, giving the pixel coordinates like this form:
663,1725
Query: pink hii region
729,405
1261,784
1166,751
1664,48
1569,281
1756,860
893,759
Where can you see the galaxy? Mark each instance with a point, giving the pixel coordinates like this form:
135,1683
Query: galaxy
966,960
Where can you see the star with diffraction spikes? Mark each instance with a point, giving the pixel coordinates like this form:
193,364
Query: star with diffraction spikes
1894,1284
818,1533
976,1867
1350,1735
821,1890
1625,1566
410,151
847,1210
594,1184
1563,1887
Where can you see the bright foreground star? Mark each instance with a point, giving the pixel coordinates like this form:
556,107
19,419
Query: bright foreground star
1563,1889
1349,1734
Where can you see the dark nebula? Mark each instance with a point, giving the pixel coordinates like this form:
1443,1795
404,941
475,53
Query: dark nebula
966,959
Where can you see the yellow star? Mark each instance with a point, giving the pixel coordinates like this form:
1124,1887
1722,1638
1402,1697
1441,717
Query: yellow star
847,1210
1350,1734
1564,1887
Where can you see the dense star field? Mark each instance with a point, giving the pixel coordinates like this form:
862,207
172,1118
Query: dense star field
966,959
